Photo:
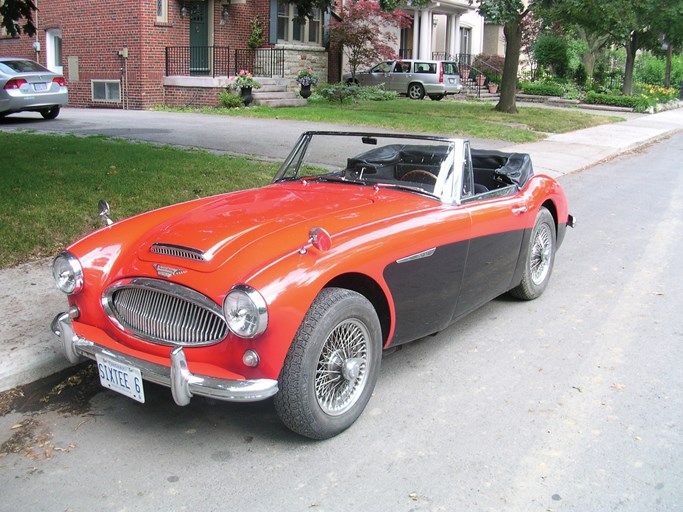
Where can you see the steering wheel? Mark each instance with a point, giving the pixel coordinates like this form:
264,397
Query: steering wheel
419,172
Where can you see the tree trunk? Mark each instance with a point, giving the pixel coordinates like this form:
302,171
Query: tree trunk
631,49
667,72
508,86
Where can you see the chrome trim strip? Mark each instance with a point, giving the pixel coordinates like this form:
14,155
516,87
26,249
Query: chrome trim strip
184,384
419,255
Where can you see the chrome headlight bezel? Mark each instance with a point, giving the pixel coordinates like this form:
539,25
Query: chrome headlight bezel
67,273
246,311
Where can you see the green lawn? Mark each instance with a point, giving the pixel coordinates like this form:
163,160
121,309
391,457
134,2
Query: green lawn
50,185
454,118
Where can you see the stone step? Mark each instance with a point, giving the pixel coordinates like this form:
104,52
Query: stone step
270,88
276,95
292,102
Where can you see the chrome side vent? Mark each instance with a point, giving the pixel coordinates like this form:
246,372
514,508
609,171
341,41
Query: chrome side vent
178,251
165,313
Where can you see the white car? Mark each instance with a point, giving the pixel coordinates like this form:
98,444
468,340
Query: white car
414,78
27,86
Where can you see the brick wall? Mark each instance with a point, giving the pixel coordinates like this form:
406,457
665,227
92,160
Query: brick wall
94,31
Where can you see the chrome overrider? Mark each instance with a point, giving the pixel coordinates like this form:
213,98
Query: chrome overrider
183,383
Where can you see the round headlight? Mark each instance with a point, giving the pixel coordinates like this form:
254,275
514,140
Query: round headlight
68,273
245,311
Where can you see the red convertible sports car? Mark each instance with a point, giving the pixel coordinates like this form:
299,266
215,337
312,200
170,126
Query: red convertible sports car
362,242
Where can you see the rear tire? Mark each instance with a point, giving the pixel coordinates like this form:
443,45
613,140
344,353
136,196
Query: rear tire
416,91
436,97
540,258
332,365
50,113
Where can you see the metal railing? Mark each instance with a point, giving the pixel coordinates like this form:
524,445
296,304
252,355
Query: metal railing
198,61
261,61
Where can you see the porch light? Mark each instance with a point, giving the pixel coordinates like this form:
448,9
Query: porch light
225,13
183,10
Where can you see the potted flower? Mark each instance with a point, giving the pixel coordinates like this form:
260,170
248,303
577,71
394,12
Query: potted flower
245,82
493,85
306,78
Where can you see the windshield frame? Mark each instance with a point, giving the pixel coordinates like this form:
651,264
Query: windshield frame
446,189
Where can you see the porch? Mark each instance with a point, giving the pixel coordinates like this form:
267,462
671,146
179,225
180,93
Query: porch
194,75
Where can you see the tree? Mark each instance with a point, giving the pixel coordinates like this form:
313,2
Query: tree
667,23
12,11
633,24
364,33
511,15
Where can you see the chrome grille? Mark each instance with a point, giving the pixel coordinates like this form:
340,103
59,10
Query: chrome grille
178,251
164,312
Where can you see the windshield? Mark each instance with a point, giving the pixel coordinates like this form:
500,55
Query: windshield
414,163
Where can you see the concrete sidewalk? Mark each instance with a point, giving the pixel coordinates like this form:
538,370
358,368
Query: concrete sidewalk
29,301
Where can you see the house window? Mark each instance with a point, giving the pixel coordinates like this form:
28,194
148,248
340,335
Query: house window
53,47
162,11
291,29
465,40
106,91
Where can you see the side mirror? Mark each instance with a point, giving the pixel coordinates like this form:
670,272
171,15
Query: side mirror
104,211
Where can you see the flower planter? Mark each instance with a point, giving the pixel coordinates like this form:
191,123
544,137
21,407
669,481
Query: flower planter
493,88
305,91
245,93
480,80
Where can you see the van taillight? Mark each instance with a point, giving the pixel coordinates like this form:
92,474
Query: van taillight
14,83
440,72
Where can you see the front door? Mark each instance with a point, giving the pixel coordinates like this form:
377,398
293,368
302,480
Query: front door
199,38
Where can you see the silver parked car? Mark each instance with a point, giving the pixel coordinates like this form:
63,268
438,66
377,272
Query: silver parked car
415,78
27,86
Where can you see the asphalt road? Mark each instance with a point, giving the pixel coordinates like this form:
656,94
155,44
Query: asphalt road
264,138
572,402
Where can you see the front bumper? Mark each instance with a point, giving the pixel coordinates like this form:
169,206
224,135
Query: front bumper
183,383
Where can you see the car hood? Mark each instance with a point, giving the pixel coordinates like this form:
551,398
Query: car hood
277,218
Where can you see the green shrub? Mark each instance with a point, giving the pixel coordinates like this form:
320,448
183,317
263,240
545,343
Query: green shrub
614,100
542,88
551,50
339,92
230,100
376,93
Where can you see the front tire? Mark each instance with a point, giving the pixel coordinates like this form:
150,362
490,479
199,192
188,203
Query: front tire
540,258
332,365
416,91
50,113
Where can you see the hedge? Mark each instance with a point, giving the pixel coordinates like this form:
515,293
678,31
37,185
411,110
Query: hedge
542,88
612,99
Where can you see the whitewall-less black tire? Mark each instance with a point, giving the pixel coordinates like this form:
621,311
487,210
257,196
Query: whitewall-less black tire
332,365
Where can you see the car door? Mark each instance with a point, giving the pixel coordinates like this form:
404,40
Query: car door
400,76
499,220
378,74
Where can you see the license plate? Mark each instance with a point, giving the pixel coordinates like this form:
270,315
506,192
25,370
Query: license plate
121,378
40,87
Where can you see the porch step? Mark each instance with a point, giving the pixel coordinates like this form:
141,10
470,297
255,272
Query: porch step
274,93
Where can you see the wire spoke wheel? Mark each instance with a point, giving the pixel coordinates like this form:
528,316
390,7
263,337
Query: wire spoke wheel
541,253
332,365
342,367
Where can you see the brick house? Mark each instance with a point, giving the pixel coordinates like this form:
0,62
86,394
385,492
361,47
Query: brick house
140,53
